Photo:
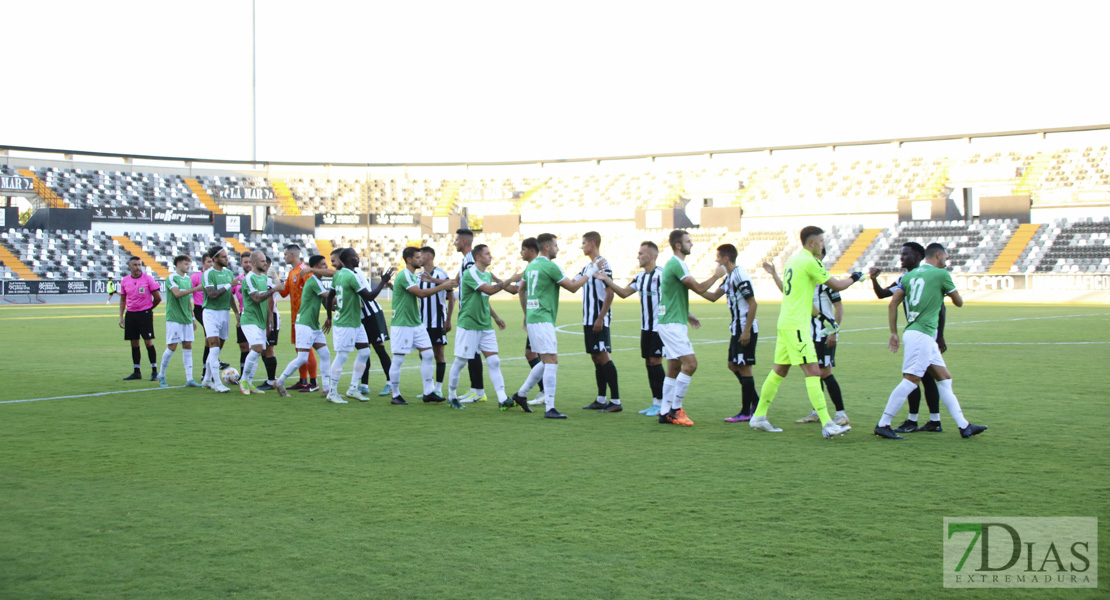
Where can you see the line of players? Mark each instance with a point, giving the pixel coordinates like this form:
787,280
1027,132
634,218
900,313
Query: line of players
663,295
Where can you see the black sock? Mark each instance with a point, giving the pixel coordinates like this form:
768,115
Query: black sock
441,368
474,367
610,370
312,382
932,396
599,377
833,386
914,400
531,365
153,358
243,360
383,359
365,379
271,367
749,395
136,356
656,375
204,363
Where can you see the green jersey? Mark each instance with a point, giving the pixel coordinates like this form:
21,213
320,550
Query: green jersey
800,277
347,301
179,310
214,278
474,304
406,306
674,296
542,278
255,313
309,313
925,288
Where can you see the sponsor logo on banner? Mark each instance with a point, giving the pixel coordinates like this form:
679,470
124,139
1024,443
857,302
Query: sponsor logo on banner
182,216
244,193
388,219
18,287
984,283
147,215
16,183
333,219
1072,283
1020,552
231,224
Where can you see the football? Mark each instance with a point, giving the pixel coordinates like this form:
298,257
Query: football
230,376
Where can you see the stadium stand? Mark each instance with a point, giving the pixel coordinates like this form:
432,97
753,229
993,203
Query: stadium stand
98,189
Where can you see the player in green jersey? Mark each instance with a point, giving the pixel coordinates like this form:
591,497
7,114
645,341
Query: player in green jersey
542,280
309,335
475,326
258,316
407,330
801,275
217,282
923,289
179,320
673,317
348,289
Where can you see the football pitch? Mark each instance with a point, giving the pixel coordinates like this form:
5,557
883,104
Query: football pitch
109,492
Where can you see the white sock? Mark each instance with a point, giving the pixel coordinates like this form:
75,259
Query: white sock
681,384
437,389
534,377
187,358
213,364
324,357
656,401
951,403
894,403
549,378
250,366
361,359
912,417
602,400
395,374
293,366
453,377
166,356
494,363
934,417
337,368
428,370
668,395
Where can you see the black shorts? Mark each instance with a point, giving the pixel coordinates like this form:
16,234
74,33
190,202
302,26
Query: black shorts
272,337
527,344
198,314
376,331
597,343
437,336
138,324
826,357
651,345
739,354
239,337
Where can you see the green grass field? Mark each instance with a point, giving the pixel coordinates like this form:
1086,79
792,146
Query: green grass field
184,493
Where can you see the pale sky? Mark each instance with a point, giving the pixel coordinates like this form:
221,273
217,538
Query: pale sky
410,81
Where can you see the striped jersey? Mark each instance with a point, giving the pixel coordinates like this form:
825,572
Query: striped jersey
433,309
593,292
647,284
823,299
738,289
368,308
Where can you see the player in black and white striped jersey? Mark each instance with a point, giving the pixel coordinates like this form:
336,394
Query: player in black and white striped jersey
596,301
433,312
646,283
743,327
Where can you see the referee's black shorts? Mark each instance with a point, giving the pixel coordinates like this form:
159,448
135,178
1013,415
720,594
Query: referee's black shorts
138,324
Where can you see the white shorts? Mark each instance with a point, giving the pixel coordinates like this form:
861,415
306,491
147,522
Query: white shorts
345,338
256,336
216,323
676,340
470,341
308,337
407,339
542,338
178,332
918,352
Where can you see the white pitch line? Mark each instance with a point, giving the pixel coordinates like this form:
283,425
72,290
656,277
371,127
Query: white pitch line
694,343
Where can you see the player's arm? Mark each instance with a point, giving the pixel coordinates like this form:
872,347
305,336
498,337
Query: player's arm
941,344
892,318
415,289
270,311
370,295
329,300
839,284
880,291
573,285
260,297
622,291
214,291
599,322
715,295
122,305
700,287
838,321
770,269
179,293
956,298
156,295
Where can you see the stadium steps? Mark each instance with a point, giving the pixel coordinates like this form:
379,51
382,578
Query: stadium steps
446,203
11,260
1033,175
203,196
52,200
1012,252
324,247
936,186
236,244
852,254
285,197
148,260
526,197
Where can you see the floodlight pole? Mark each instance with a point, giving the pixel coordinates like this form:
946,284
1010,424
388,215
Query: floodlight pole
254,89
